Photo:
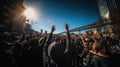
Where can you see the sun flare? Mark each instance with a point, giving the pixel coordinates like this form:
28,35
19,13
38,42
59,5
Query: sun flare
30,14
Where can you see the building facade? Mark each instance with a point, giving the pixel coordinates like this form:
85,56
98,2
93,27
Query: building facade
110,13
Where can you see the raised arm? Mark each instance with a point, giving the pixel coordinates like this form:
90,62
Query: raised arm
45,48
68,38
49,38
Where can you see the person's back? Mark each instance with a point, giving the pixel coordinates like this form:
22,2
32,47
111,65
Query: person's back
101,61
59,56
102,56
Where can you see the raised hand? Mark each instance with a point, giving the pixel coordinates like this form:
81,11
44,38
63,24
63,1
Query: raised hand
66,27
53,28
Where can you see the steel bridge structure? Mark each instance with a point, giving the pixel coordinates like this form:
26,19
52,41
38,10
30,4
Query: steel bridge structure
89,26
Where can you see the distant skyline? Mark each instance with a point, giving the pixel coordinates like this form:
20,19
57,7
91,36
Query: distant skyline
76,13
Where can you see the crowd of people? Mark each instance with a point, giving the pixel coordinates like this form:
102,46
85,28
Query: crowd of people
51,50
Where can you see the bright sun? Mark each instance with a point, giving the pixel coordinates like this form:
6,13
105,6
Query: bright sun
30,13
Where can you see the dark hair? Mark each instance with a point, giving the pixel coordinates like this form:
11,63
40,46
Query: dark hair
101,46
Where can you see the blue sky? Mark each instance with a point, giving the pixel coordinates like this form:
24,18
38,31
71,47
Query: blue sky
76,13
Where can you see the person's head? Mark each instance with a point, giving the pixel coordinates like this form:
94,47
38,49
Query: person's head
45,32
113,35
86,40
101,46
62,40
90,33
85,34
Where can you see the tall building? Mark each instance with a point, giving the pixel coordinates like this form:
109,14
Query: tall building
11,14
103,8
110,13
